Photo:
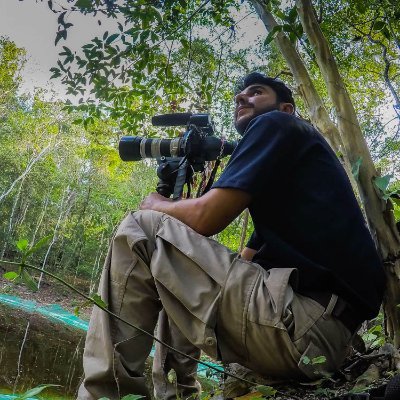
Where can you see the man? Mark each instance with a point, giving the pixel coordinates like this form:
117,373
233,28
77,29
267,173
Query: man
308,277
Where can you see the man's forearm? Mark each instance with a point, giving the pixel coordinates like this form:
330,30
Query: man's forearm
208,214
188,211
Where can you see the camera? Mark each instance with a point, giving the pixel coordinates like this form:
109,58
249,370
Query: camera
178,158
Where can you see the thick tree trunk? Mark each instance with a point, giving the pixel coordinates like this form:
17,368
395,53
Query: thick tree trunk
318,113
379,212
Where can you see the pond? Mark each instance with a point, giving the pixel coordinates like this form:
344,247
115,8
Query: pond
43,345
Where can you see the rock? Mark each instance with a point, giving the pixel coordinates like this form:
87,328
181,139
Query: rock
370,376
234,388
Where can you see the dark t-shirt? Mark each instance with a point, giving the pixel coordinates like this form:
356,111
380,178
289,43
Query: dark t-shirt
304,211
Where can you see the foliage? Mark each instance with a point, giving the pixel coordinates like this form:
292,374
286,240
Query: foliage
375,336
313,361
74,194
138,68
127,397
34,392
12,60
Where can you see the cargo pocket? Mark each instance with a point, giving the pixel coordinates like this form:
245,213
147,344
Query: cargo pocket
321,339
268,343
314,363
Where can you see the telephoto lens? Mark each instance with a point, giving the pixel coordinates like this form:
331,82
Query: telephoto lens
209,148
135,148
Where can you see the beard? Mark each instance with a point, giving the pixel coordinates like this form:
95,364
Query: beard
241,125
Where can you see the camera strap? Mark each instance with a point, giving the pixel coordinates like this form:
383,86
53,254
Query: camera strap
180,179
212,176
215,169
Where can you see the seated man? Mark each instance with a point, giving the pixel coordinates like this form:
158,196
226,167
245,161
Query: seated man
310,274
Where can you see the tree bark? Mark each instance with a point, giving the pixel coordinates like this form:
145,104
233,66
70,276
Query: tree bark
313,101
27,170
379,212
318,113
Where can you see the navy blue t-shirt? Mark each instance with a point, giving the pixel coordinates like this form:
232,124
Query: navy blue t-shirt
304,211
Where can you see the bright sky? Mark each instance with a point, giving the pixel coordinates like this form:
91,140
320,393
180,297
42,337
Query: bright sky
32,25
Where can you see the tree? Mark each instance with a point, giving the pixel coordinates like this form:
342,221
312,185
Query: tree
12,60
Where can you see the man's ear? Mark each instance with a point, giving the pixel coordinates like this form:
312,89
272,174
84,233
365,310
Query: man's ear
286,107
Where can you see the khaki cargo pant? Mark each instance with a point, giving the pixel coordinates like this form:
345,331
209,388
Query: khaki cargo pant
210,300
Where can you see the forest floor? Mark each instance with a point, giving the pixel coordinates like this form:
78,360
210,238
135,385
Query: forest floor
363,371
50,293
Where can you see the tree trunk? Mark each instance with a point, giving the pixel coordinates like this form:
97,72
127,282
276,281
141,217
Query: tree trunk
318,114
11,223
379,212
28,168
64,211
313,101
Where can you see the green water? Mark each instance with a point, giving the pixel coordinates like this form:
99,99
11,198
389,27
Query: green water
52,311
6,395
57,314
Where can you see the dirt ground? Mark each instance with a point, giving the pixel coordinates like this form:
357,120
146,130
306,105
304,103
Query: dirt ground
50,292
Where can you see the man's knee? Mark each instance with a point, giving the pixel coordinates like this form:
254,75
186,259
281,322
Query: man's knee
138,225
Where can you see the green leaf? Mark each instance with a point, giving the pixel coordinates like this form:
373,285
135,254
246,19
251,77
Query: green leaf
28,280
287,28
22,245
33,392
111,38
305,360
292,15
144,35
355,168
396,208
318,360
382,182
299,30
378,25
386,33
361,6
271,35
99,301
39,244
292,37
10,276
133,397
83,3
280,14
266,390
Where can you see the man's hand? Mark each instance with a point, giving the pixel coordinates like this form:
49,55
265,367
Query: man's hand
152,201
208,214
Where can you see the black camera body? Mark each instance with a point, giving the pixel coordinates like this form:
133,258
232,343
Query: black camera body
180,157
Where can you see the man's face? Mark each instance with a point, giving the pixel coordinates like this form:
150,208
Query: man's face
255,100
